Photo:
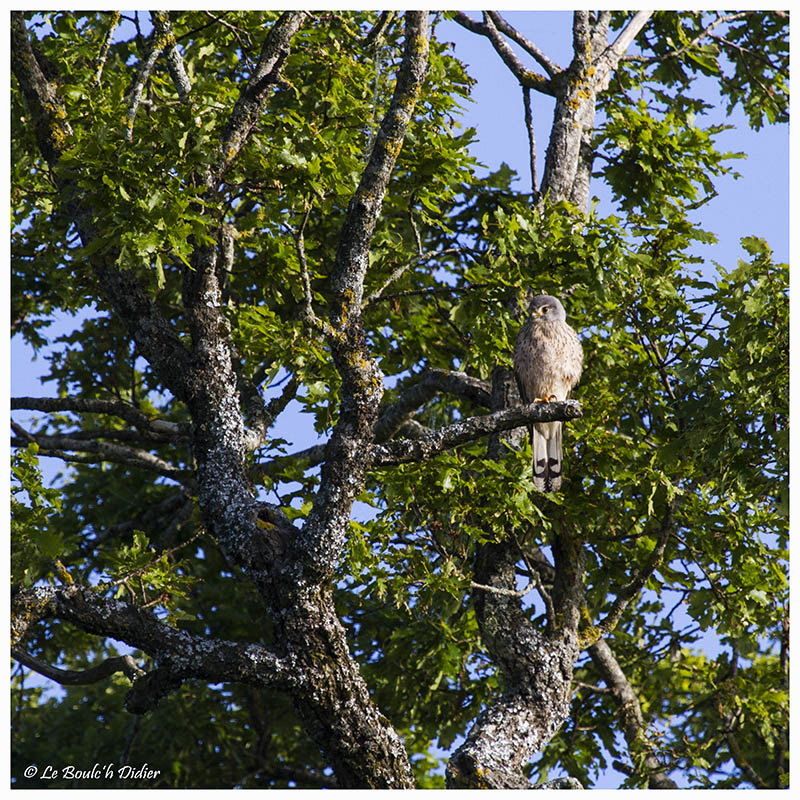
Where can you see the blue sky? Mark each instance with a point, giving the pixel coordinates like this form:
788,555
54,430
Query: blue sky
755,204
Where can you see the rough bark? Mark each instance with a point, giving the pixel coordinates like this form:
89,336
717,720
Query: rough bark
633,724
537,665
291,568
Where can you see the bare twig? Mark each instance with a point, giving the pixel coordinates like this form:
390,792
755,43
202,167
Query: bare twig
526,100
243,46
67,677
720,20
401,270
105,47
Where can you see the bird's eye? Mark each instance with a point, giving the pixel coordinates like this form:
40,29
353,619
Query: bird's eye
545,310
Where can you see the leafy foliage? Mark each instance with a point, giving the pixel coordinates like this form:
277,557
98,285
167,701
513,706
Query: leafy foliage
685,394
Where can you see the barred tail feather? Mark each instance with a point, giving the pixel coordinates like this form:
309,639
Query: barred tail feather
547,456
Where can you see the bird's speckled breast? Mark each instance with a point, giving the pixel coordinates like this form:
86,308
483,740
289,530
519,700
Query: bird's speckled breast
548,359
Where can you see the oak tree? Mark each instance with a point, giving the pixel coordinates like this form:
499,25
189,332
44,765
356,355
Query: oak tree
259,216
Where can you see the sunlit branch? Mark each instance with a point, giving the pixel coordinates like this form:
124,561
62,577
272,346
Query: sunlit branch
253,96
550,67
408,450
488,29
175,67
104,49
136,89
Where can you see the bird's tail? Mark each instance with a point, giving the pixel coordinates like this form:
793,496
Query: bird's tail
547,455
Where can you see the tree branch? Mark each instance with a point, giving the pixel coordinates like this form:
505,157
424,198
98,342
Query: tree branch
67,677
720,20
406,450
550,67
56,446
253,94
154,337
188,656
403,268
488,29
536,672
526,101
397,416
629,33
53,131
322,538
177,71
111,407
424,389
631,589
633,722
104,49
133,95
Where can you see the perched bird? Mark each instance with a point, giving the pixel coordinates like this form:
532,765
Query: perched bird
548,358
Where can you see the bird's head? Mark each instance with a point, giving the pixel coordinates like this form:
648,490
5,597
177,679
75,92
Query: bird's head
545,307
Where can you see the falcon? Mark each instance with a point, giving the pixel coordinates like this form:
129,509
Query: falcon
548,359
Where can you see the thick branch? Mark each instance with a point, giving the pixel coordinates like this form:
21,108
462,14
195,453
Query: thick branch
342,476
406,450
568,163
91,406
536,669
347,281
189,656
397,416
629,33
53,131
433,382
253,95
